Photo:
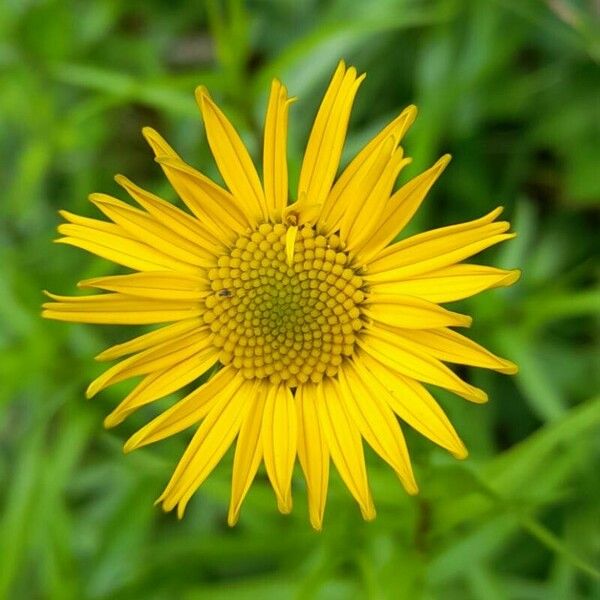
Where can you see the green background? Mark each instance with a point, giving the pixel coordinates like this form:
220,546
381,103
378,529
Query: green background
511,89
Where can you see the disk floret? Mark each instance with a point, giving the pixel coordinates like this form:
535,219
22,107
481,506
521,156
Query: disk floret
290,321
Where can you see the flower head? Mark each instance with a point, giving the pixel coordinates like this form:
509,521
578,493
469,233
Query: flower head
319,330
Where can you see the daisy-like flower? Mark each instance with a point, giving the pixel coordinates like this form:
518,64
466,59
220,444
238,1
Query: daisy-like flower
319,330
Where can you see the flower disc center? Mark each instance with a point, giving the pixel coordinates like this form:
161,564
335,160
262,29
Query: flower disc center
290,323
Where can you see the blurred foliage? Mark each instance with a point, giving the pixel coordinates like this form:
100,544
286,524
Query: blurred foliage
511,88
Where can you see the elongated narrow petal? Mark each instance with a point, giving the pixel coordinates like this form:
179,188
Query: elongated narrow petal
154,358
377,424
324,148
313,452
454,235
121,249
401,208
279,435
176,219
363,187
145,227
440,261
396,129
411,402
118,309
210,202
195,191
290,242
248,454
344,443
411,312
231,156
189,410
451,283
275,170
437,248
450,346
159,285
164,382
394,352
210,442
414,251
368,220
93,224
150,339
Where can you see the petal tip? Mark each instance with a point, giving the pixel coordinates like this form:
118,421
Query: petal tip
201,94
91,390
460,453
443,161
113,419
411,111
284,506
368,513
233,516
317,525
130,445
149,133
509,367
513,277
410,486
122,180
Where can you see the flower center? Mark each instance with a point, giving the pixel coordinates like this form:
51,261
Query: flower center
286,322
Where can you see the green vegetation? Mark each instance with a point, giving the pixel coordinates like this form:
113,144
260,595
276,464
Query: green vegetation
511,89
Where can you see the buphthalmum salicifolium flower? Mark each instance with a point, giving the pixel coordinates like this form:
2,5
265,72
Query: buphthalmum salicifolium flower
319,331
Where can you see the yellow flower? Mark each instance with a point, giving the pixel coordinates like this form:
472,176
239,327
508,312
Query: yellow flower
320,330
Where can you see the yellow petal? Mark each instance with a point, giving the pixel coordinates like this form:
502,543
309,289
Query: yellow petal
377,424
450,346
189,410
290,240
312,453
160,285
428,245
148,230
326,140
454,282
411,402
94,224
275,171
393,351
357,196
209,202
248,454
121,249
209,444
117,309
344,443
411,312
400,209
369,219
396,129
435,240
177,220
333,207
164,382
195,192
150,339
279,435
436,249
231,157
159,356
300,212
